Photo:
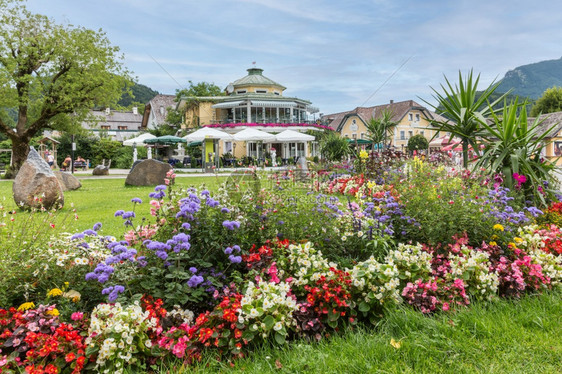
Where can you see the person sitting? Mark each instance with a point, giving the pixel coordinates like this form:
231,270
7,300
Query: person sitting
67,163
80,163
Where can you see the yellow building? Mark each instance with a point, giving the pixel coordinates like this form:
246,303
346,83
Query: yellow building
254,101
410,117
553,141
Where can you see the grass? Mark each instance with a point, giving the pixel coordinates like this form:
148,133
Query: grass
98,199
506,336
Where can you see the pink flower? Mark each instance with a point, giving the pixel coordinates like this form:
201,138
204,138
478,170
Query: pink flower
445,307
77,316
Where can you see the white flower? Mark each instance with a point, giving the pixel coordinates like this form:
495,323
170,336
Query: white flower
278,326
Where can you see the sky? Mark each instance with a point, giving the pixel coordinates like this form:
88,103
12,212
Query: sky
337,54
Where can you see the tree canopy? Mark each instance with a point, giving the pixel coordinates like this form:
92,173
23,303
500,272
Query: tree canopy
549,102
51,75
417,143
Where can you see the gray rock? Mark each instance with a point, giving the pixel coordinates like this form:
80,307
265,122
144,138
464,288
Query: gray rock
100,170
148,173
67,181
36,185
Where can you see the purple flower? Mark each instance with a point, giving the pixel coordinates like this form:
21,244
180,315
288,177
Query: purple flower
128,215
193,269
90,232
186,226
225,210
160,187
97,226
119,213
79,235
194,281
228,251
231,225
236,248
235,259
136,200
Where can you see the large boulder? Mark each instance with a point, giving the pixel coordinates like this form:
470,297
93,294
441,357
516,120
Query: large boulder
148,173
36,185
101,170
67,181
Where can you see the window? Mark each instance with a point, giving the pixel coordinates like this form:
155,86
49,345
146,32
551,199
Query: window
410,134
105,127
122,127
261,91
402,135
277,93
241,91
347,135
354,136
227,147
417,117
422,133
362,135
410,116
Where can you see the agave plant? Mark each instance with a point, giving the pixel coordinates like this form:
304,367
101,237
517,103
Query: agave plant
333,147
513,148
464,109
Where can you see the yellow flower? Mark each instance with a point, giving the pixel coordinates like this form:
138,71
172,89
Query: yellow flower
517,240
498,227
53,312
54,292
26,306
395,344
493,243
363,154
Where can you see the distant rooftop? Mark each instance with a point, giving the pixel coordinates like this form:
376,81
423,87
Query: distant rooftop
256,78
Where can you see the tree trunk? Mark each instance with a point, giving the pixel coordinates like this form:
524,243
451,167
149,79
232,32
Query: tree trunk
465,153
20,150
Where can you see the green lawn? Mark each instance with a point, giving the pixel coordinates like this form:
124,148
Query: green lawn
98,199
519,336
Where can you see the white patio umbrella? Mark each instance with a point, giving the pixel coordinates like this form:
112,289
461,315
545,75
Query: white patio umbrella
293,136
253,135
139,140
207,133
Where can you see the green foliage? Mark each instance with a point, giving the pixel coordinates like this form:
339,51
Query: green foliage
463,109
417,143
442,205
200,89
378,128
533,79
107,149
334,147
549,102
514,146
54,74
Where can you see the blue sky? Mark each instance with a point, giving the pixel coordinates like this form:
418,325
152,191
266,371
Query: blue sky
336,54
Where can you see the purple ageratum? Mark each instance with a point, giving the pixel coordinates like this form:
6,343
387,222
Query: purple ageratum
160,187
195,280
97,226
236,248
228,251
119,213
235,259
231,225
90,233
225,210
186,226
113,292
79,235
193,269
136,200
128,215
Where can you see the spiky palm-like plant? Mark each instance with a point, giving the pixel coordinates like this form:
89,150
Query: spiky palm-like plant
464,110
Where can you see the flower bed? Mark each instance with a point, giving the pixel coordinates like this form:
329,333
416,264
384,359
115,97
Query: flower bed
218,274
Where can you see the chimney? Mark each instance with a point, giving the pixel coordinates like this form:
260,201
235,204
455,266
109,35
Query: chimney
392,101
135,110
107,111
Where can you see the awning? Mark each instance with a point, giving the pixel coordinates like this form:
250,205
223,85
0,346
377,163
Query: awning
229,104
274,104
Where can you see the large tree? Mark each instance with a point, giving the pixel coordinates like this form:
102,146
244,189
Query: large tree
191,95
549,102
51,75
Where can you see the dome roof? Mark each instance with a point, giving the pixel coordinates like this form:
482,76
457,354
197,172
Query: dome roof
255,78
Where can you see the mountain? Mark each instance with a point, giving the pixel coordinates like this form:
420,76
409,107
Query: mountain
141,94
533,79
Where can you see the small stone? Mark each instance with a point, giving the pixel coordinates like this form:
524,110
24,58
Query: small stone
67,181
148,173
